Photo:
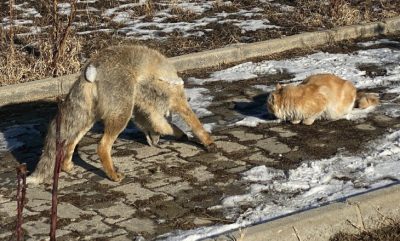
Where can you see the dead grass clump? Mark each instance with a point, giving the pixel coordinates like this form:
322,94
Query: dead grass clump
99,40
146,10
328,14
342,13
221,6
183,15
37,56
33,60
388,230
387,233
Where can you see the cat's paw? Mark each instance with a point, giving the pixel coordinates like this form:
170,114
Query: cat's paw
308,121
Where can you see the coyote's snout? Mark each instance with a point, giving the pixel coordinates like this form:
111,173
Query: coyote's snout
119,83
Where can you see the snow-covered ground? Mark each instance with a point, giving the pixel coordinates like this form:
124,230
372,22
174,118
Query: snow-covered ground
132,19
315,182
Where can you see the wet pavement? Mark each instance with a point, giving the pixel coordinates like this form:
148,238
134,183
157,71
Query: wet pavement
173,186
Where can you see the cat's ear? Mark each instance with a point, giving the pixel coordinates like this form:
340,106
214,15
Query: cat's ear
271,98
278,86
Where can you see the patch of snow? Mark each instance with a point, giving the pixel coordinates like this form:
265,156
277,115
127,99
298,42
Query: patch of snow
251,121
253,25
27,11
195,7
377,42
111,11
9,137
265,88
199,99
263,174
344,65
313,183
64,8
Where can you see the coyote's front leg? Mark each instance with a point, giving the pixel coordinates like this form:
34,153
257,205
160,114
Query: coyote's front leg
181,106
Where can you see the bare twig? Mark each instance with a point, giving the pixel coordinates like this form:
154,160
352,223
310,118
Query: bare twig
354,225
57,167
297,233
385,217
60,34
12,47
21,190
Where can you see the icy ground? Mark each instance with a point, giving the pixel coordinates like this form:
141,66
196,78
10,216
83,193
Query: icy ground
315,182
132,19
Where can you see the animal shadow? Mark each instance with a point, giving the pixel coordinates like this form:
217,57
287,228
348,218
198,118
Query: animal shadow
256,108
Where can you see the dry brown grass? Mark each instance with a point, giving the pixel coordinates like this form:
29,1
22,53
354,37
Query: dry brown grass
344,12
31,59
388,230
182,15
39,56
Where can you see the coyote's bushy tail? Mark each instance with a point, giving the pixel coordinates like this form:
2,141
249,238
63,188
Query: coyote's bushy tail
77,115
45,167
365,100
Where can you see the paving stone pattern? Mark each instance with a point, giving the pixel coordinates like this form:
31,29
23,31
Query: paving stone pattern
172,186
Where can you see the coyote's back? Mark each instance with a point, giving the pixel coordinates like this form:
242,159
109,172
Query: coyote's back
116,83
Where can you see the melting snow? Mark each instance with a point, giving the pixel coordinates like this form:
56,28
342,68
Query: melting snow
314,182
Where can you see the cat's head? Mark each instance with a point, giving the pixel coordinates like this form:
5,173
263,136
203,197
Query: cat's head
274,99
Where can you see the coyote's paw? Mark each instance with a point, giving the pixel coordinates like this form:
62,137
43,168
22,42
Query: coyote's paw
212,147
117,176
152,139
67,167
155,139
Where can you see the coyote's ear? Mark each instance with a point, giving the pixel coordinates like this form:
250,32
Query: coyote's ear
278,86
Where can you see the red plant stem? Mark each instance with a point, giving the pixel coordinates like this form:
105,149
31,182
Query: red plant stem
12,47
59,159
21,190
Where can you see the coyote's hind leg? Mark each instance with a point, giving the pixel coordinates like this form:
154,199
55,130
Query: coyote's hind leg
113,126
161,126
154,124
67,164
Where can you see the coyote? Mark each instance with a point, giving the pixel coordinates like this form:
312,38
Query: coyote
318,96
120,83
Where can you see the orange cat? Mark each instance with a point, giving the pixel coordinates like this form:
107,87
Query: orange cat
321,96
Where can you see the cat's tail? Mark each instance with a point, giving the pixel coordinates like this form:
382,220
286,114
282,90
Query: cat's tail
365,100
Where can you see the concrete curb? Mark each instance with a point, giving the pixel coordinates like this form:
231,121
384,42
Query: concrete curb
320,224
52,87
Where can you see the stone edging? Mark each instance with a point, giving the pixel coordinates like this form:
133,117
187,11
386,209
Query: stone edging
367,210
51,87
